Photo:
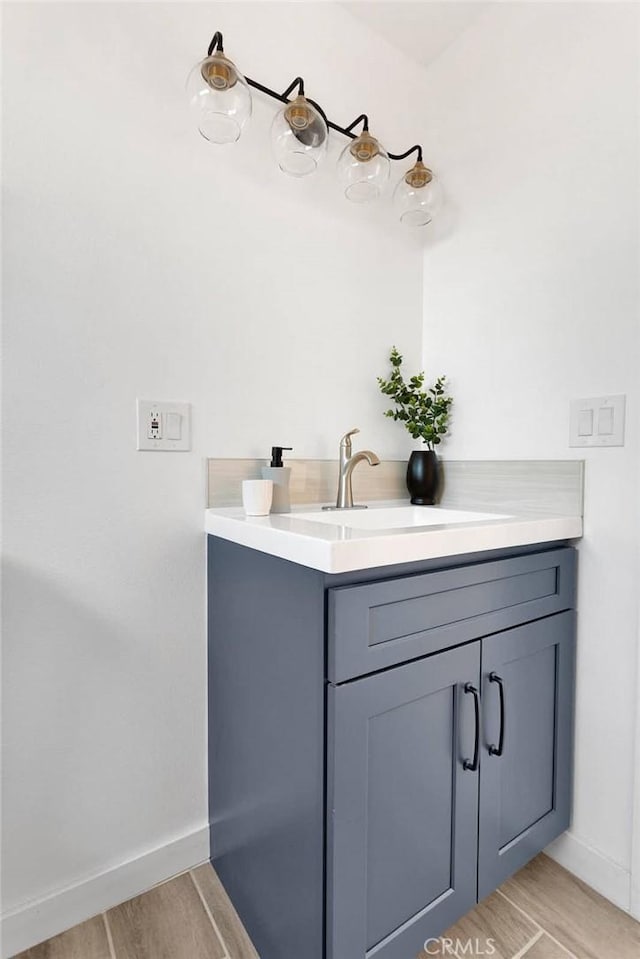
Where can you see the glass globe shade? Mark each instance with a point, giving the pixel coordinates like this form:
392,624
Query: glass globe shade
299,137
417,196
363,168
219,98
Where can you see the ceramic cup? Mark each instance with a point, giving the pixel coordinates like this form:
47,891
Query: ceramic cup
257,496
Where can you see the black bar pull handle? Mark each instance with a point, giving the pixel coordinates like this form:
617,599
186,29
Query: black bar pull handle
499,749
472,764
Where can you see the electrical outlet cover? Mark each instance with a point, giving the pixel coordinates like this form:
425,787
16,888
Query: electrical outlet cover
173,432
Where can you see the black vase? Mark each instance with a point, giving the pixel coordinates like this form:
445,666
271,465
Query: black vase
423,477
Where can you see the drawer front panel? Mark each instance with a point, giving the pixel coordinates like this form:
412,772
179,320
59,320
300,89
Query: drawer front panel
377,625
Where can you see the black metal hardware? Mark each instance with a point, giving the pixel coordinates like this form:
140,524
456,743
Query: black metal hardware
263,89
216,43
472,764
299,83
348,131
499,749
402,156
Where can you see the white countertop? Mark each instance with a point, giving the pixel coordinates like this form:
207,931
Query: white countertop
328,543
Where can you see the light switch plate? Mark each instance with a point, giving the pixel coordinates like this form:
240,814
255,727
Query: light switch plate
163,426
597,421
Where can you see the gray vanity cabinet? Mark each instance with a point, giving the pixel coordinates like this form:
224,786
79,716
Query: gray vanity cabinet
402,810
406,840
525,780
386,746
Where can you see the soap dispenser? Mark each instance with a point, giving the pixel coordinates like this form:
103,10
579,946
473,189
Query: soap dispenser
280,476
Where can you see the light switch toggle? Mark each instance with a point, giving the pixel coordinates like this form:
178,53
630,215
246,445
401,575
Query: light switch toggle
173,426
585,423
605,420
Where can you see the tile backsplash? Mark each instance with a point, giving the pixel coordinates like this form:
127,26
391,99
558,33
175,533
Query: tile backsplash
544,486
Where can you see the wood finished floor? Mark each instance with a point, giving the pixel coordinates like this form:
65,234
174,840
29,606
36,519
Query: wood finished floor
543,912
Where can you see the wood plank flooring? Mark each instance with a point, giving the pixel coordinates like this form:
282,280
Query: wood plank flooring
230,929
168,922
86,941
589,926
495,927
543,912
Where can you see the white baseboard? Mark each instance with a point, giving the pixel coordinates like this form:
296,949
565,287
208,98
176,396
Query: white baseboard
605,876
35,921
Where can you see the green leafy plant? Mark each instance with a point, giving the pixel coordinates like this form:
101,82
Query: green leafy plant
424,412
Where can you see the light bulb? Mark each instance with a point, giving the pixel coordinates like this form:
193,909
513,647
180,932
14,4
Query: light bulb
363,168
299,136
417,196
219,98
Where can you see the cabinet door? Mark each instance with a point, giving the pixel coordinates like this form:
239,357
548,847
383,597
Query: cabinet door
525,786
402,807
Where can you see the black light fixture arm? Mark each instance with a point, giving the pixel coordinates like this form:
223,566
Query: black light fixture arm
216,44
348,131
299,83
407,153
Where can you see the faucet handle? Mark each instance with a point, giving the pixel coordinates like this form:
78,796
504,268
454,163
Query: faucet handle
346,439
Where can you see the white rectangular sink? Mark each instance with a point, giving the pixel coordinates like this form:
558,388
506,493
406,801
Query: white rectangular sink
396,517
385,534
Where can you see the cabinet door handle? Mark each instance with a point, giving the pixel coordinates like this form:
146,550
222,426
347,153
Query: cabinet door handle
499,749
472,764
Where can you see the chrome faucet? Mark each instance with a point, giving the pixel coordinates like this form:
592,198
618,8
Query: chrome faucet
348,463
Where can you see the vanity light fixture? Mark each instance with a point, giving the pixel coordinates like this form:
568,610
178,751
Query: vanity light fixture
299,134
363,165
220,98
417,196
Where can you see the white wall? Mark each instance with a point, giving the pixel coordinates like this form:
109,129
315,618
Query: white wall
142,261
531,299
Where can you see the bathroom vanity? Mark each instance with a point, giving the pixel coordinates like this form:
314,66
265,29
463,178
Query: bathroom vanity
387,744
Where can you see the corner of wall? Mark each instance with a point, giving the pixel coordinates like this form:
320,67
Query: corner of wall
593,867
40,919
